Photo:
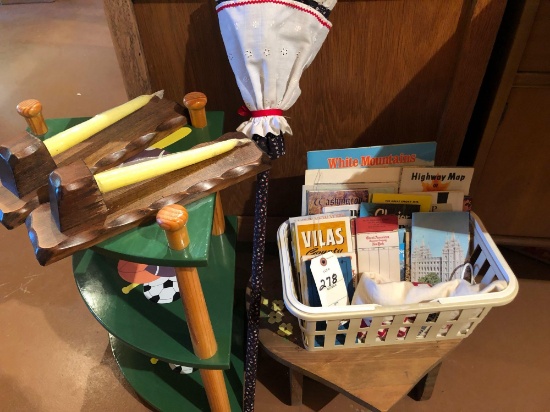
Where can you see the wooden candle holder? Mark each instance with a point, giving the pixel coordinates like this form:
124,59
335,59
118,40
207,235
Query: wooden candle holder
25,162
59,228
73,195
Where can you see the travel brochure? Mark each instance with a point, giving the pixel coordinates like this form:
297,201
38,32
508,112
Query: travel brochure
440,245
386,210
414,154
377,243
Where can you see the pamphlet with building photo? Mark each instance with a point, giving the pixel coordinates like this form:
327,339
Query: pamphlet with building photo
439,246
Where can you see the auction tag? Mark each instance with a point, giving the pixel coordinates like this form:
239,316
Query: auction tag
329,280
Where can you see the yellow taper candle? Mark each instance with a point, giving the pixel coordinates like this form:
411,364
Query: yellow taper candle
76,134
123,176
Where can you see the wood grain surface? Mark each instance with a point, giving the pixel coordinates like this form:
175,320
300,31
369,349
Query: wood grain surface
127,137
376,377
218,224
389,72
132,205
196,104
511,126
173,219
536,57
510,188
31,110
75,199
128,48
25,164
110,147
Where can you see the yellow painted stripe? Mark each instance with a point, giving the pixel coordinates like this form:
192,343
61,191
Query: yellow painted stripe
172,138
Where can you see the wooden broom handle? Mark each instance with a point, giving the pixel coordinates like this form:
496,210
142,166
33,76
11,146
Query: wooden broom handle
31,110
172,219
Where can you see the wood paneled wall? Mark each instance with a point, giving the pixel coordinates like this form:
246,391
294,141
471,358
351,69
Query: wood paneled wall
391,71
512,123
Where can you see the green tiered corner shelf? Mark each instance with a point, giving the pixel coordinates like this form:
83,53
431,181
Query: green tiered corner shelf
146,336
157,330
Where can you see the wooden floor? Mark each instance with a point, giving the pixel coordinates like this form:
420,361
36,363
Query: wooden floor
54,356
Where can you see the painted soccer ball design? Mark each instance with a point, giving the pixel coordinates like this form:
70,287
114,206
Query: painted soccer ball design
182,370
162,290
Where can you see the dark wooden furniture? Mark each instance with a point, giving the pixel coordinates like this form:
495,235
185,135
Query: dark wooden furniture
389,72
375,378
511,126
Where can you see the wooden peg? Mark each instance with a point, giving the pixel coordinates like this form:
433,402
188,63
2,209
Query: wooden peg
218,224
216,392
173,219
31,110
195,102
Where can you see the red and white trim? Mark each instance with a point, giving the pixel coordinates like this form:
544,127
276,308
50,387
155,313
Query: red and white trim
288,3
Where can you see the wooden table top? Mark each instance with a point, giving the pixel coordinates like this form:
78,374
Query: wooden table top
377,377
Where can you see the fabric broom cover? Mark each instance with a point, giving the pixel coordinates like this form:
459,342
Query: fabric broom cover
269,43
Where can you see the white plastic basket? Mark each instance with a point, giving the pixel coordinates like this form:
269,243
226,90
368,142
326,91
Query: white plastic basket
447,318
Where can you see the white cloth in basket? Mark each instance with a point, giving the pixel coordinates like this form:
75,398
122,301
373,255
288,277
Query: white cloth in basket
372,289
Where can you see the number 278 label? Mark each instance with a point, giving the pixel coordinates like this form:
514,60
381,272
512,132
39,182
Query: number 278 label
329,280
